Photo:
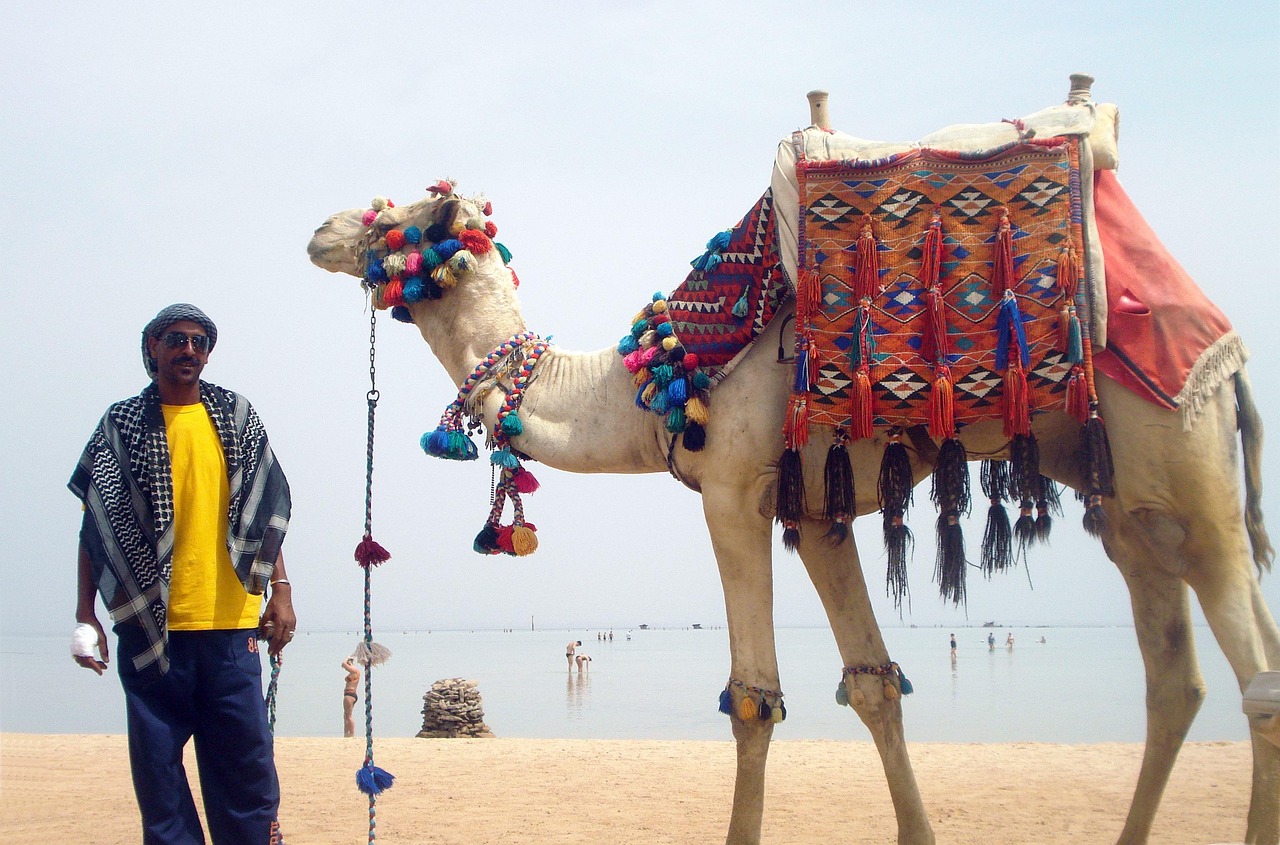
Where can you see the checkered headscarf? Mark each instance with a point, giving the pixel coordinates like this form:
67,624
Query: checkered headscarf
166,318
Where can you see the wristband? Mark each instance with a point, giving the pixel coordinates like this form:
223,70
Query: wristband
284,581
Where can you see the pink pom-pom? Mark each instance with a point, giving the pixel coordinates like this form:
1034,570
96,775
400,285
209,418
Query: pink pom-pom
395,239
441,188
368,217
369,553
488,209
632,361
524,481
646,355
413,263
490,229
690,362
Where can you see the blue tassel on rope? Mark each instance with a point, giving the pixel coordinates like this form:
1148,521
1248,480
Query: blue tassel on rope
401,314
802,373
741,307
726,702
661,402
505,458
903,683
374,272
720,240
678,392
414,290
412,235
628,345
372,780
446,249
511,425
436,443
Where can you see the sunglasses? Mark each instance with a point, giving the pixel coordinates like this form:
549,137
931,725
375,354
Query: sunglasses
177,340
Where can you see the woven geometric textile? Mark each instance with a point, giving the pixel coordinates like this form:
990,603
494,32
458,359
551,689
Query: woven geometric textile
733,292
904,267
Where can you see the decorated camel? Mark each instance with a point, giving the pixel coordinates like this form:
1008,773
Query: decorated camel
853,416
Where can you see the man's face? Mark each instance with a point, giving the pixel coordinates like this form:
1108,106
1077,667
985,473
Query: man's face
178,360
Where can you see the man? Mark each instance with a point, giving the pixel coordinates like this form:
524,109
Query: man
569,649
185,511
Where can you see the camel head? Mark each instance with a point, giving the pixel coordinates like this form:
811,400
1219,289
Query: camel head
432,262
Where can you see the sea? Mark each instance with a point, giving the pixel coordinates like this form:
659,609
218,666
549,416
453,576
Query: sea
1056,685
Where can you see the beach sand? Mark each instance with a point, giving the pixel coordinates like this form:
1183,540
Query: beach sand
76,789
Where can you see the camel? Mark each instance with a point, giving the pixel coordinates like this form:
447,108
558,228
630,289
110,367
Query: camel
1178,517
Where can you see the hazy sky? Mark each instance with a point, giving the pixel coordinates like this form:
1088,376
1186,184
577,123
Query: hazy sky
152,153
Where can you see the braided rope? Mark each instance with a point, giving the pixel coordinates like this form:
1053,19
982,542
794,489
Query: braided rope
372,397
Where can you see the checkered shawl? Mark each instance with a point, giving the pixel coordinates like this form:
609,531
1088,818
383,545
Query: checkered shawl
125,480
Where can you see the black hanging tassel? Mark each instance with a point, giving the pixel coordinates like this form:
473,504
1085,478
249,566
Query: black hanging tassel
1046,503
1024,530
898,544
950,565
486,542
894,494
1024,467
695,437
997,538
764,712
839,499
1099,474
790,504
1051,495
951,478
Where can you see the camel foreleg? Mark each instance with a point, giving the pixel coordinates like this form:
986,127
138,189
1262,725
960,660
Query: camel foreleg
742,540
836,573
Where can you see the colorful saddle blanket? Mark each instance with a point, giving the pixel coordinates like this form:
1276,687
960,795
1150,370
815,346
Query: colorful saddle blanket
932,271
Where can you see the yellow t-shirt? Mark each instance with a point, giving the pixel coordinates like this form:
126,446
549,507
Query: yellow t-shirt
204,592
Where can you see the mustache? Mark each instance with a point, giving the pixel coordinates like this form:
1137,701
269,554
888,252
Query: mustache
186,360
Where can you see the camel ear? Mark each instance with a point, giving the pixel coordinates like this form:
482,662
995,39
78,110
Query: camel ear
335,243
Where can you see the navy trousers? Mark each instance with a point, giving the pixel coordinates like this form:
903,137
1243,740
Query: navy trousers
212,693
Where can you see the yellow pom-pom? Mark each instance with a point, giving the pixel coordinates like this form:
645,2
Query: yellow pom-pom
669,343
659,306
891,691
378,203
695,410
523,540
640,376
776,715
747,708
444,276
475,223
640,315
857,697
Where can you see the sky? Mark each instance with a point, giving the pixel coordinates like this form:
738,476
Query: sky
153,152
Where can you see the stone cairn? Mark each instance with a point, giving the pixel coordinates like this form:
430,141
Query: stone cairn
452,708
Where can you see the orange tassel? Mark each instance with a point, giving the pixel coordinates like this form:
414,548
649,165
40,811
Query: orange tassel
936,328
862,424
1078,395
795,426
1069,272
1064,329
1017,411
868,276
807,297
942,407
1002,273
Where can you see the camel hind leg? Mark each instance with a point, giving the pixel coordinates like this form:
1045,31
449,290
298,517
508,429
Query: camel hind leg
837,575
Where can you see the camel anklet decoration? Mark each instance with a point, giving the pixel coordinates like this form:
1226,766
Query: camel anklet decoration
754,703
408,265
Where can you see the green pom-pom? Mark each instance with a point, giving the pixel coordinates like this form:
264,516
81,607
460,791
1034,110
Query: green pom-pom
676,421
504,252
701,380
511,425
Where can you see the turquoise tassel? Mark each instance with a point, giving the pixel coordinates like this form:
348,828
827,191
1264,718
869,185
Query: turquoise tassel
906,686
511,425
504,252
1075,344
504,458
842,695
741,306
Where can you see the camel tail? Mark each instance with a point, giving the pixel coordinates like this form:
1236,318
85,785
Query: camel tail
1251,439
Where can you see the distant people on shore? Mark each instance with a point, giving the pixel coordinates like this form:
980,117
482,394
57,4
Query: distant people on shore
583,660
991,642
570,649
349,696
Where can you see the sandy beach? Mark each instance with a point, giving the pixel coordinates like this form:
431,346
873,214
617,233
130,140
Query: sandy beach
76,789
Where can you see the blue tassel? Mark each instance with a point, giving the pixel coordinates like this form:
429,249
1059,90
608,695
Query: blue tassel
412,234
700,263
905,685
414,290
842,695
628,345
374,272
504,252
741,306
511,425
720,240
726,702
665,329
802,373
678,392
713,261
371,780
401,314
1009,317
640,403
658,295
1075,343
436,443
660,403
504,457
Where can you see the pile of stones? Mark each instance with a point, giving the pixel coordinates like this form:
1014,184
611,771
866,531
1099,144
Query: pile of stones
452,708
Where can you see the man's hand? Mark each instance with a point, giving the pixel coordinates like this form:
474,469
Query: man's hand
88,661
278,621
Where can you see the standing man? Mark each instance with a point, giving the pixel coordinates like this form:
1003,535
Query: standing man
569,649
185,511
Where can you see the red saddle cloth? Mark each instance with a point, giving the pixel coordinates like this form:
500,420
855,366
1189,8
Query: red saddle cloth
1165,340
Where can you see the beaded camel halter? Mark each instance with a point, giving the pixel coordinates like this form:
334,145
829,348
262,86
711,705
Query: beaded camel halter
408,264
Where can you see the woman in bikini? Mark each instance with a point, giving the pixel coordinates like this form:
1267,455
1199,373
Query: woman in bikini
349,696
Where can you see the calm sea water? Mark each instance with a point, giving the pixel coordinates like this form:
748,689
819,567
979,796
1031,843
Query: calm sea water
1082,685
